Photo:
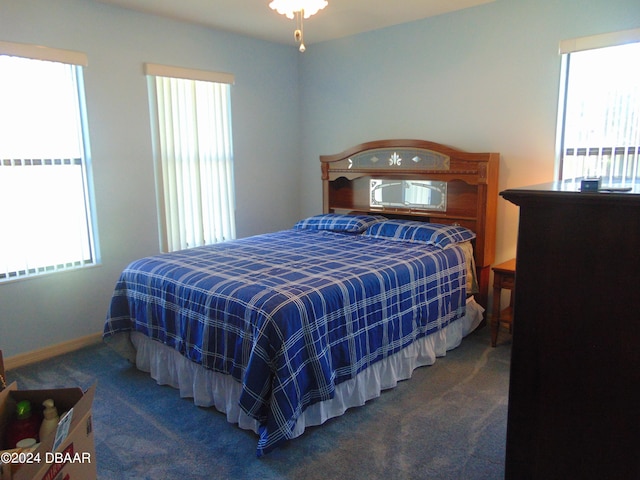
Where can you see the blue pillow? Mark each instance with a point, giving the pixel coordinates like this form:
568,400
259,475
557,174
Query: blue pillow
420,232
336,222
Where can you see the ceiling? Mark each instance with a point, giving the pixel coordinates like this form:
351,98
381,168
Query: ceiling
254,18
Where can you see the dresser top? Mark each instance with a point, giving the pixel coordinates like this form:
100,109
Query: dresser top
569,191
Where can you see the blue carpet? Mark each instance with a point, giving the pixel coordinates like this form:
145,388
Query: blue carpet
447,422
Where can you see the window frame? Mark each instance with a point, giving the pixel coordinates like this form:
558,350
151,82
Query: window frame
169,237
77,60
566,48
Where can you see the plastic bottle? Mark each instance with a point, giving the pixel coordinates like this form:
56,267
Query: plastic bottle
25,424
50,420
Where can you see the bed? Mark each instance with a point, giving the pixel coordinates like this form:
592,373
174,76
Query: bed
285,330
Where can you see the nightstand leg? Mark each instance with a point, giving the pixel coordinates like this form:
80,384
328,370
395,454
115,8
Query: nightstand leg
495,316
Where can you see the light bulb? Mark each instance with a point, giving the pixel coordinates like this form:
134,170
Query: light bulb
302,47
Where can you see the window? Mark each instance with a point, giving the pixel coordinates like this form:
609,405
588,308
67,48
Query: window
599,121
191,112
45,212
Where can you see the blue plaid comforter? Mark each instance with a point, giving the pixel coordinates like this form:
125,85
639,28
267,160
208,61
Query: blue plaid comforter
290,314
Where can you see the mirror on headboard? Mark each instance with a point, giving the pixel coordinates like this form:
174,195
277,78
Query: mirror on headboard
414,194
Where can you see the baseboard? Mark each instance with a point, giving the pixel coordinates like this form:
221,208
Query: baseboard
52,351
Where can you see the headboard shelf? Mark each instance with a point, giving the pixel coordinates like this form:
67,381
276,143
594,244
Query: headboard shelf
470,188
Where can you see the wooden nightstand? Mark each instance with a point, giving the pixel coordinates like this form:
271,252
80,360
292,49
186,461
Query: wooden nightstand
504,276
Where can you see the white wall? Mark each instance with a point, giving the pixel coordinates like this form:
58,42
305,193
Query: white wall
45,311
482,79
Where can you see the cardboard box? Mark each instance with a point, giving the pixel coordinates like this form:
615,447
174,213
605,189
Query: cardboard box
74,455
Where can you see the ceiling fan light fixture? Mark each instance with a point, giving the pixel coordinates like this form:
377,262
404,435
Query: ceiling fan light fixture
290,7
298,9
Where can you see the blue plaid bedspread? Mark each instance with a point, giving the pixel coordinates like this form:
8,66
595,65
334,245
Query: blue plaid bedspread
290,314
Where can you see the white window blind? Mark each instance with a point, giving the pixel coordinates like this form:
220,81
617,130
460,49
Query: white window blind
194,156
599,123
45,208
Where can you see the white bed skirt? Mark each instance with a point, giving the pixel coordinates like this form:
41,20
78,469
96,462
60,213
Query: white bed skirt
213,389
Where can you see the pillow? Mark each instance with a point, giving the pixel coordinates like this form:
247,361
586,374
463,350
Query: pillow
336,222
420,232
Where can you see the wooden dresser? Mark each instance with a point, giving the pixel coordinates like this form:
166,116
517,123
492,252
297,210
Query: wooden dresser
574,393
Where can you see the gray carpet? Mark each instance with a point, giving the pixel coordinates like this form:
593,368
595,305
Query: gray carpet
447,422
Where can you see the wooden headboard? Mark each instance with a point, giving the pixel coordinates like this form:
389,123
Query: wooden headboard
471,188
